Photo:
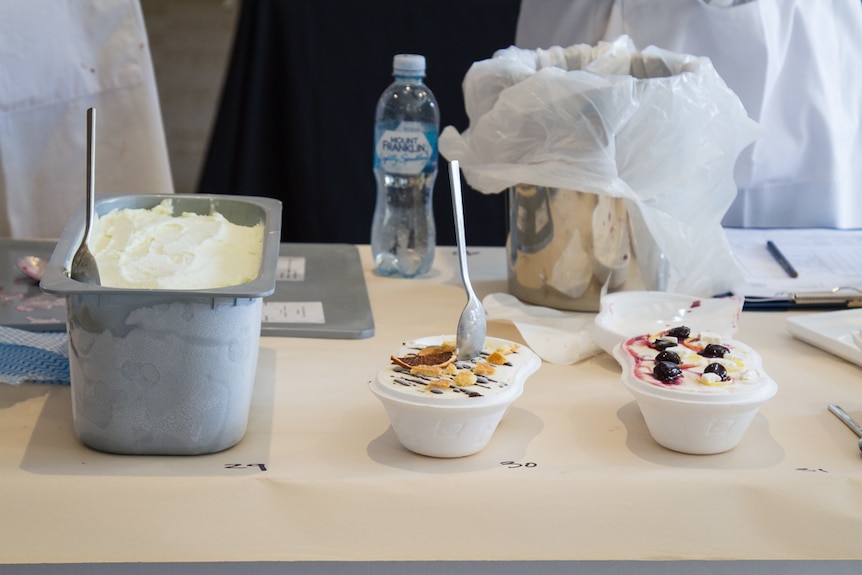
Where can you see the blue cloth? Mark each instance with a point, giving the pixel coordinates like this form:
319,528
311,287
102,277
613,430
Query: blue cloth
33,357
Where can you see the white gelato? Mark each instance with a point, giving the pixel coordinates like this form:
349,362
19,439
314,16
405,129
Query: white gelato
501,367
694,363
152,248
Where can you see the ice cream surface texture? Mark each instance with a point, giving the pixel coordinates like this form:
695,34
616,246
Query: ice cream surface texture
495,371
154,249
701,363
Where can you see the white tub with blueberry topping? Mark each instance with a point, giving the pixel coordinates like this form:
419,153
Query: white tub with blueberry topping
697,393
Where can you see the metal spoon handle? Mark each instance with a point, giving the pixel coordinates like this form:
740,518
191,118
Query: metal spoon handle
846,419
458,209
91,172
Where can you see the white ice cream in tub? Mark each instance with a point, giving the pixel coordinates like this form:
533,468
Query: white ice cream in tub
166,370
158,249
698,408
452,420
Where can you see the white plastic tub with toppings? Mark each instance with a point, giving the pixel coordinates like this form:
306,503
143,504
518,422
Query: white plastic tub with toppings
695,411
452,421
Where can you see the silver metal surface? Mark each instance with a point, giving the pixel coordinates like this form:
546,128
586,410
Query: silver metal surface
84,267
472,325
848,421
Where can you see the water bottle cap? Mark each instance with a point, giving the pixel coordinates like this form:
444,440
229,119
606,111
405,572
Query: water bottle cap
408,65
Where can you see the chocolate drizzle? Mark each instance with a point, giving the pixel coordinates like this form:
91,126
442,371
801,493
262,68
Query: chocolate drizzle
404,377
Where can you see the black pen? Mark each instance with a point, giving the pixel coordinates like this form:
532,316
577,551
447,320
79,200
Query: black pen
779,257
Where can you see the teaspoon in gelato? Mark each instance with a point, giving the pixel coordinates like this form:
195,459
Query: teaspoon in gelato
84,267
472,325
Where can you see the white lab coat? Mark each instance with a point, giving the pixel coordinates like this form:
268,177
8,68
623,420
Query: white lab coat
796,65
58,58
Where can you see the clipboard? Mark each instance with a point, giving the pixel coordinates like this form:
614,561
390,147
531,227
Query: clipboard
813,301
827,262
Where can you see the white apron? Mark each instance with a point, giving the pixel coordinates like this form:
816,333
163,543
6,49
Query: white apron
796,65
57,58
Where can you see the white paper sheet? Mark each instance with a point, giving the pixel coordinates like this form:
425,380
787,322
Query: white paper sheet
824,258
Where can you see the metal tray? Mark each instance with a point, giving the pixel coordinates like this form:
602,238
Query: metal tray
320,292
23,305
332,278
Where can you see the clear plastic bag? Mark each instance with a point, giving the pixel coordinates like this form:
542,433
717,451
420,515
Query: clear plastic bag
659,129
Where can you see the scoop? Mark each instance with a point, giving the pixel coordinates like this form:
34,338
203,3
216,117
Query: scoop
84,267
470,336
848,421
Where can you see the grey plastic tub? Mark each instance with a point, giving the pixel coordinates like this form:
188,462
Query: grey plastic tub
167,372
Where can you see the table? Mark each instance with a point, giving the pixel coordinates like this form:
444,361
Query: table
570,482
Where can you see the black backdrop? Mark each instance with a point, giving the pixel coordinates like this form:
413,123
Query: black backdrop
295,121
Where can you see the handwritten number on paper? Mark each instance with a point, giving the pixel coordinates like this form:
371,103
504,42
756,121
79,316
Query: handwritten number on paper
261,466
812,469
515,464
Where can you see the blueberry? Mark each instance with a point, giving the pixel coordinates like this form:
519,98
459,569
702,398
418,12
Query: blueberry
717,369
681,332
666,371
671,356
714,350
663,344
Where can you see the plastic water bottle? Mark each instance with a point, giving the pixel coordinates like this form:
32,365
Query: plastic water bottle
406,125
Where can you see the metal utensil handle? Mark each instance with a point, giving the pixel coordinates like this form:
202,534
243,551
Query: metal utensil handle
846,419
825,298
458,209
91,171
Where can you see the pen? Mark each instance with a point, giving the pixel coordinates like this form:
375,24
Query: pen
779,257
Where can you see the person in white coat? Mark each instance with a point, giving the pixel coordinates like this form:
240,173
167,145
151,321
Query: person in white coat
795,65
58,58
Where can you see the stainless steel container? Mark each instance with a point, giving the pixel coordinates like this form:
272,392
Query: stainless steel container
165,371
566,246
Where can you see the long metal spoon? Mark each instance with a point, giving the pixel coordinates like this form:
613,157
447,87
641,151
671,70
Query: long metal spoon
848,421
472,324
84,267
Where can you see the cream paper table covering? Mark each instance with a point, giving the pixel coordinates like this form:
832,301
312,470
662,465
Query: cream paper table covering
321,477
